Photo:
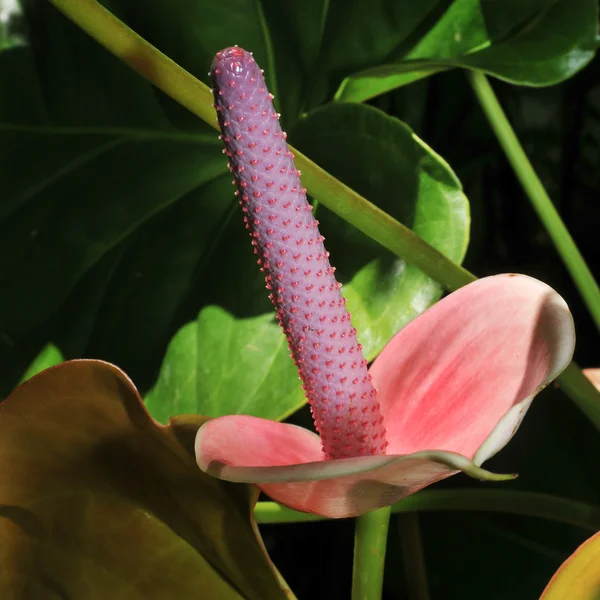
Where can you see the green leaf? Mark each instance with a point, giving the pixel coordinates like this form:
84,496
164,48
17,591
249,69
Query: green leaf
119,185
220,365
79,191
49,356
159,278
539,42
578,578
295,30
380,156
126,193
223,363
98,501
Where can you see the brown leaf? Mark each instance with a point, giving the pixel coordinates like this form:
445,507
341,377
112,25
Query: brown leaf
97,501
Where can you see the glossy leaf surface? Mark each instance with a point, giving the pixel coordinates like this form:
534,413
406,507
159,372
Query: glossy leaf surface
221,364
98,501
381,157
538,42
128,193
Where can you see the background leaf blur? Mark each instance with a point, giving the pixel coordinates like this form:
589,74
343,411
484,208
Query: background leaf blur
135,207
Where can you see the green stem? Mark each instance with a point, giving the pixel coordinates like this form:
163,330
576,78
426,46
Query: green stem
413,556
530,504
180,85
370,541
576,265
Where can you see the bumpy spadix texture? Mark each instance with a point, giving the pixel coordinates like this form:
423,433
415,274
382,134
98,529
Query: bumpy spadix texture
310,308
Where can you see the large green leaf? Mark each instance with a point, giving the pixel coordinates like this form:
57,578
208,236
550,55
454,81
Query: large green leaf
117,185
220,364
79,192
117,224
98,501
381,157
124,189
534,42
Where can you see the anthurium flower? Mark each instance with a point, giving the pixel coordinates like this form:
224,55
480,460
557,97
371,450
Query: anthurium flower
446,393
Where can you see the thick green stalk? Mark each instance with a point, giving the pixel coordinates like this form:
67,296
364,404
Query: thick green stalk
530,504
370,540
574,261
180,85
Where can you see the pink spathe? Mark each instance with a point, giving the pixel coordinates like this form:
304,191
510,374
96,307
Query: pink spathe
453,387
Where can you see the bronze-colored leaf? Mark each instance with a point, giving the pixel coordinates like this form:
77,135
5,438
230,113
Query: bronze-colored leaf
97,501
